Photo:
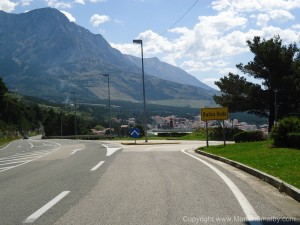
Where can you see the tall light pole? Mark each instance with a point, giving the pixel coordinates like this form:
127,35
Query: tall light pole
138,41
108,93
275,104
75,112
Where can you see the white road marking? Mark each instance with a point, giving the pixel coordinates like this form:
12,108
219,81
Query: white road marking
21,159
97,166
249,211
6,146
74,151
110,151
33,217
31,145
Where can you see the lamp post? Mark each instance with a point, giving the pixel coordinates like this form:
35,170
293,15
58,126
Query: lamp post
275,104
75,112
108,93
138,41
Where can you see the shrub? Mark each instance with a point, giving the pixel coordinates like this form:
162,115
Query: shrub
249,136
293,140
217,133
280,132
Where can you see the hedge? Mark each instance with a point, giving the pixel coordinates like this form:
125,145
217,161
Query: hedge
249,136
294,140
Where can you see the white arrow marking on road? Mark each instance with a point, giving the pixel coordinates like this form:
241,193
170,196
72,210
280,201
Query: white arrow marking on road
249,211
76,150
46,207
110,151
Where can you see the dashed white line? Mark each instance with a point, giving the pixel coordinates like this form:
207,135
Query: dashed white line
74,151
33,217
97,166
249,211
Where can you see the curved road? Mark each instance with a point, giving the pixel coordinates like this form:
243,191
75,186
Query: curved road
66,182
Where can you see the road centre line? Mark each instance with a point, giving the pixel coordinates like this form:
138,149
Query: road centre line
33,217
249,211
97,166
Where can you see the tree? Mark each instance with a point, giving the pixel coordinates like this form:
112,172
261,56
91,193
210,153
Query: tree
277,67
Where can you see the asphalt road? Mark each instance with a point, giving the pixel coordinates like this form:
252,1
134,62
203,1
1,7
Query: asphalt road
66,182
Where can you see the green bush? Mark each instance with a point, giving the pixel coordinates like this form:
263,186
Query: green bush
249,136
294,140
280,132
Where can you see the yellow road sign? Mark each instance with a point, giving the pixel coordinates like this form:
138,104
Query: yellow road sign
214,114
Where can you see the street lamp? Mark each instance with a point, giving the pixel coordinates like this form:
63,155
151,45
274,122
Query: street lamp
75,112
108,93
137,41
275,104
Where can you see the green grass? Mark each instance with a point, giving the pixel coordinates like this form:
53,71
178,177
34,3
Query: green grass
283,163
4,141
193,136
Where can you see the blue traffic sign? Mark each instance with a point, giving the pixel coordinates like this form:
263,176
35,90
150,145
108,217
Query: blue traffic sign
134,132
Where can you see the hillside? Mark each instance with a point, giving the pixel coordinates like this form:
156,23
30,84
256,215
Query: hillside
44,54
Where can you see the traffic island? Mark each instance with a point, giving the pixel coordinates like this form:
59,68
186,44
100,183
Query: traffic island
150,143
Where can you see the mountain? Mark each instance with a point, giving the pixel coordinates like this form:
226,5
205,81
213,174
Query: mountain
44,54
166,71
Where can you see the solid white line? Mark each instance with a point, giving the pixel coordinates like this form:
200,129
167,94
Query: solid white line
46,207
97,166
249,211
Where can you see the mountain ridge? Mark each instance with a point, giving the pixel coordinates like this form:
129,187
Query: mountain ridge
44,54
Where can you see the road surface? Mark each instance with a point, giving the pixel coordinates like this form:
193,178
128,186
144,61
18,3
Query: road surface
66,182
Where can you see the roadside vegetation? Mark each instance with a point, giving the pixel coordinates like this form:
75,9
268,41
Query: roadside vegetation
283,163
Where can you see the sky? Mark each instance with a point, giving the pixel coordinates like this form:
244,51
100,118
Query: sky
205,38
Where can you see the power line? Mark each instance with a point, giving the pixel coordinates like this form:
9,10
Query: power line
189,9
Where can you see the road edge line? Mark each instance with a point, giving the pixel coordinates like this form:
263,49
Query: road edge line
279,184
247,208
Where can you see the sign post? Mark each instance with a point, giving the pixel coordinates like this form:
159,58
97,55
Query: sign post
214,114
134,133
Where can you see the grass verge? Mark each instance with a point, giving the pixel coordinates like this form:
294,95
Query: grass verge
283,163
4,141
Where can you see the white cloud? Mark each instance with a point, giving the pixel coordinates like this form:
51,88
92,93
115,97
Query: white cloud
69,16
281,15
97,19
296,26
26,2
7,5
95,1
82,2
217,43
262,20
58,4
255,5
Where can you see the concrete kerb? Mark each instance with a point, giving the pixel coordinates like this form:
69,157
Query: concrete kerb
274,181
148,143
